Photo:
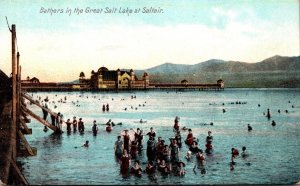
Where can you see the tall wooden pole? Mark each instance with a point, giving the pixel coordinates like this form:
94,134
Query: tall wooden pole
18,99
14,88
18,87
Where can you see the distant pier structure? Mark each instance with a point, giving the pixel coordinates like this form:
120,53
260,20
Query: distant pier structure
184,85
116,80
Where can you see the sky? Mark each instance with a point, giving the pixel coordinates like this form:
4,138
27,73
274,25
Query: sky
57,46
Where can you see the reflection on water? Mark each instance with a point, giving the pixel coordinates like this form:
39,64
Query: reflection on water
273,151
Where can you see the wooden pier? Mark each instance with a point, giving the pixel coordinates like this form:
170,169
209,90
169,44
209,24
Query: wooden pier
33,87
13,118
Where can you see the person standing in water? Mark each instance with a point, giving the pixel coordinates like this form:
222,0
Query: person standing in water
138,135
68,123
180,168
176,124
234,154
174,151
151,170
45,113
125,163
74,124
59,120
189,138
178,138
95,128
209,138
53,117
268,114
118,148
127,141
151,133
80,125
151,149
136,169
134,149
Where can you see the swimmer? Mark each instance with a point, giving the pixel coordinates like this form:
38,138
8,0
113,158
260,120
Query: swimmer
184,128
234,154
249,127
189,138
244,153
188,155
209,138
180,168
150,170
194,148
273,123
45,129
200,157
136,169
86,144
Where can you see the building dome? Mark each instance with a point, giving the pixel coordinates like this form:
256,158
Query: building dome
220,81
81,75
145,74
184,81
102,69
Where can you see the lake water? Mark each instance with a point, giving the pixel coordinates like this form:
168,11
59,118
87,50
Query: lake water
274,152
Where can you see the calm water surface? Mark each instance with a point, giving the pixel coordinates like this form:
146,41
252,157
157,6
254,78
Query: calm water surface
274,152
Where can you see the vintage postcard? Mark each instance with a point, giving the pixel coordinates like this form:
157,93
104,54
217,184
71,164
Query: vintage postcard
149,92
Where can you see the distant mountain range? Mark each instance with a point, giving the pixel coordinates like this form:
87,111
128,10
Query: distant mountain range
276,71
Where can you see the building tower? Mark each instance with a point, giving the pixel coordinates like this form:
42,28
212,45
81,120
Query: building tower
132,78
81,77
221,83
146,80
118,83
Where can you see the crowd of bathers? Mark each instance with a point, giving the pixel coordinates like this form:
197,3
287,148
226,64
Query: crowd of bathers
162,158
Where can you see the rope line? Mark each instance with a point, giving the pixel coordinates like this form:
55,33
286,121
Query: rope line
8,25
11,31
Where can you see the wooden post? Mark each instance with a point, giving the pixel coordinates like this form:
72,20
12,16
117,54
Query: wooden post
25,130
18,99
25,143
14,91
18,174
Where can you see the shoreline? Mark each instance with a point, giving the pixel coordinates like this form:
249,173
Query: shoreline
155,89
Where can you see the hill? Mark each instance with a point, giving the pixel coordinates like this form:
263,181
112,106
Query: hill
276,71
